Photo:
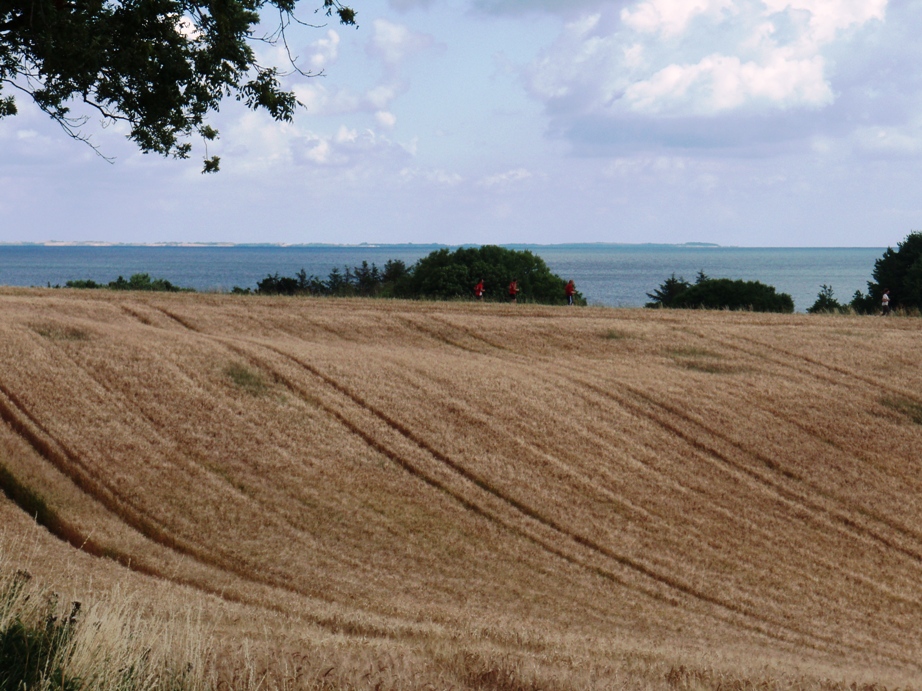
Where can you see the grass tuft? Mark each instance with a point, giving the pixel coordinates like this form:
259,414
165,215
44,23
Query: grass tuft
617,335
246,379
905,406
49,645
58,332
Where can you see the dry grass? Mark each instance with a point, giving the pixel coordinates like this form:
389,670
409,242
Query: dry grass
373,494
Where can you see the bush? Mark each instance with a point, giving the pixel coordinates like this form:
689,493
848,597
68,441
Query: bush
720,293
668,292
88,284
901,272
135,282
144,282
826,303
440,275
444,274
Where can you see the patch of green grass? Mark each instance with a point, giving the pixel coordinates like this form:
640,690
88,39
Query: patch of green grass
708,367
58,332
246,379
909,408
617,335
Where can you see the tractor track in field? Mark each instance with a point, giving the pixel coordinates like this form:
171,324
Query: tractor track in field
832,374
629,398
626,509
843,378
710,431
762,459
734,614
832,517
123,510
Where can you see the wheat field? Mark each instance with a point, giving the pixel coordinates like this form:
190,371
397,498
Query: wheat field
412,495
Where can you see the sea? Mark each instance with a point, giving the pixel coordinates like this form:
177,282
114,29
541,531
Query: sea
613,275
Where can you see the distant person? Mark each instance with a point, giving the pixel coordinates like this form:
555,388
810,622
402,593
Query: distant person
569,291
885,303
514,291
478,290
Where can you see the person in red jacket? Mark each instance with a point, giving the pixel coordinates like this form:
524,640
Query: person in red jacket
569,291
478,290
514,290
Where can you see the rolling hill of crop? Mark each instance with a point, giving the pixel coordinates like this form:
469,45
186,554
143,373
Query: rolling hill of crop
383,494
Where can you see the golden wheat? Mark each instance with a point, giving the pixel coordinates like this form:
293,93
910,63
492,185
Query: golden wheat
377,494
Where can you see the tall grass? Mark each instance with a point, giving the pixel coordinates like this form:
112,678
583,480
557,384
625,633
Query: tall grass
50,644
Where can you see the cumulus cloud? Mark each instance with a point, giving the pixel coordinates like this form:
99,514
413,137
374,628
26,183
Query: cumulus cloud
507,178
386,119
361,151
438,177
668,64
323,52
719,83
671,17
318,99
393,43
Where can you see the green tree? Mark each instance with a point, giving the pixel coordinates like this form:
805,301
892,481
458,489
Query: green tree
826,302
446,274
161,66
898,270
720,293
668,292
145,282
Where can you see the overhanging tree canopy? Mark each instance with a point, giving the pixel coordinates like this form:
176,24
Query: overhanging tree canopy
162,66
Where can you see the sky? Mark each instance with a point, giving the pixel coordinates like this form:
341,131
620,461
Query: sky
760,123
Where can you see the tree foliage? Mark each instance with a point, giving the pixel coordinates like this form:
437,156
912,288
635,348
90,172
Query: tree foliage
668,292
446,274
360,281
826,302
898,270
162,66
135,282
720,293
442,275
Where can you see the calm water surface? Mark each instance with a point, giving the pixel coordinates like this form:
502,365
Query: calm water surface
613,275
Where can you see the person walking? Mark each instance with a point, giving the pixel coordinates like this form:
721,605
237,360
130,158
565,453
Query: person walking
514,291
885,303
569,291
478,290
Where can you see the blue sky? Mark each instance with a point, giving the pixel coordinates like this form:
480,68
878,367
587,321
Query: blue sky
739,122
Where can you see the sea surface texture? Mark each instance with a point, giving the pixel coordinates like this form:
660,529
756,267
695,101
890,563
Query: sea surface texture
612,275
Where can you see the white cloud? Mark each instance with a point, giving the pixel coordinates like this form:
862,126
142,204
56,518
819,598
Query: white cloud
671,17
719,83
886,142
663,67
323,52
829,17
320,100
393,43
434,176
507,178
386,119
